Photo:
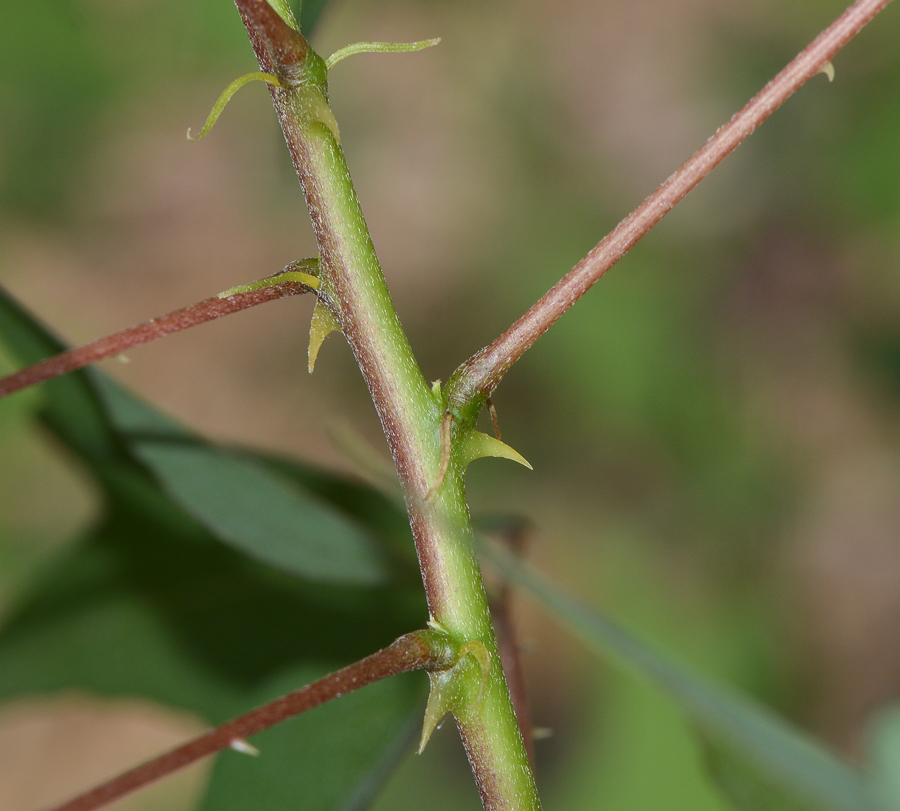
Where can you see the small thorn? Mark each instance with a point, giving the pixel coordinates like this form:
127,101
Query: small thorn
494,421
476,445
240,745
478,651
446,421
440,702
378,47
286,275
229,91
322,325
828,70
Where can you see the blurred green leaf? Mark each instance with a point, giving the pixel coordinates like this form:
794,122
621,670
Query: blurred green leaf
258,510
136,610
759,761
70,403
884,752
878,353
151,603
309,14
264,514
83,64
147,607
335,757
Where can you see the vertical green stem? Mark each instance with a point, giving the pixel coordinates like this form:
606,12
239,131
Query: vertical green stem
353,287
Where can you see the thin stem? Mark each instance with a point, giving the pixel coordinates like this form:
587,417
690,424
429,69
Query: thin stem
416,651
206,310
473,382
514,536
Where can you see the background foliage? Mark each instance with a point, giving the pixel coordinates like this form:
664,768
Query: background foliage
714,428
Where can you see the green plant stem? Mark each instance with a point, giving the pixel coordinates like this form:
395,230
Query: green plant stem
353,287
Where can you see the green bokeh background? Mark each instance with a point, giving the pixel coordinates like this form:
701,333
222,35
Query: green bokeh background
714,428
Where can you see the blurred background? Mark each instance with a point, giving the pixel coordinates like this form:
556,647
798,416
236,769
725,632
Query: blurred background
715,428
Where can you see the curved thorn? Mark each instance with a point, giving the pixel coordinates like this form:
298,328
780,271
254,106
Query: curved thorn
291,273
494,421
237,84
477,445
446,422
322,325
478,650
378,47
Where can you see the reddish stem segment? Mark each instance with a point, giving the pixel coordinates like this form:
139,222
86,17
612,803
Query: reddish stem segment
111,345
413,651
479,376
514,537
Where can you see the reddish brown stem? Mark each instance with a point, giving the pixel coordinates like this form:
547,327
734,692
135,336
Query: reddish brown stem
514,536
474,381
280,50
111,345
415,651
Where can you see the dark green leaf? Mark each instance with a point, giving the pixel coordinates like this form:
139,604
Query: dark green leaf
884,753
152,586
152,604
264,514
380,514
759,760
241,500
70,401
143,607
333,758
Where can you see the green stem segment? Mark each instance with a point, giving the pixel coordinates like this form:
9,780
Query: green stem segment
353,287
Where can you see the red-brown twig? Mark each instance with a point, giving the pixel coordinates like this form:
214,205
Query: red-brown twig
480,375
514,537
415,651
112,345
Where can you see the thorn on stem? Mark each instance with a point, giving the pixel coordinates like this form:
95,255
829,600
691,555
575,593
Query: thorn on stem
494,421
237,84
245,748
378,47
482,655
446,422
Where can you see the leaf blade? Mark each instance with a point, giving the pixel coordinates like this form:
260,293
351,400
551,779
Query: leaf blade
263,514
236,496
143,607
772,764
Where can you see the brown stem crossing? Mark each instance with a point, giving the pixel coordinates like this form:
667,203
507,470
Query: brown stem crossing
415,651
112,345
